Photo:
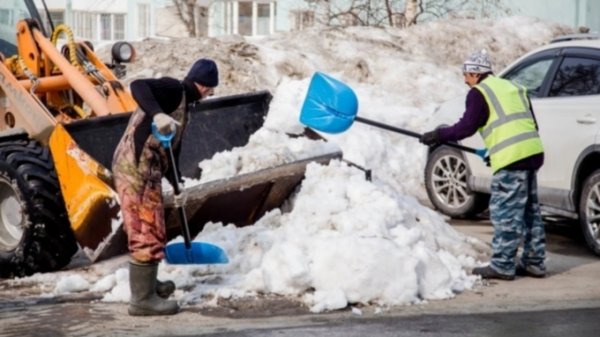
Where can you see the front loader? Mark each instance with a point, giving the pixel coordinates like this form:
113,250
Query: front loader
62,113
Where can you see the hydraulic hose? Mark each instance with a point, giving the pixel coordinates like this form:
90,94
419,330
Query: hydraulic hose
60,29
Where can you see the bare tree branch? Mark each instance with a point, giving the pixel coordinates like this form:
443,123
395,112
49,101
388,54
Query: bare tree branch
186,12
401,13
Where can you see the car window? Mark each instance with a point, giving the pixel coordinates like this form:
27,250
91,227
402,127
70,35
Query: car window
577,76
531,76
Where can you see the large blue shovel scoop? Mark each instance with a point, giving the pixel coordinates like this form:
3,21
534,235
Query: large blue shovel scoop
186,252
331,106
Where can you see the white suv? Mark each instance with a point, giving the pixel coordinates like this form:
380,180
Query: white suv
563,82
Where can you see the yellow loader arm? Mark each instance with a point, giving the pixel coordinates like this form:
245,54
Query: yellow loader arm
47,91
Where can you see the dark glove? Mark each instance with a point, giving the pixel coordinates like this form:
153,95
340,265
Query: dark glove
430,138
486,160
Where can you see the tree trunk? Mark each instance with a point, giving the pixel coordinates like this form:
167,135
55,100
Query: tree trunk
390,13
411,11
186,12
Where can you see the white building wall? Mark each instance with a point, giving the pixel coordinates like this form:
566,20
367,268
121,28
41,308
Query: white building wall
574,13
128,8
223,18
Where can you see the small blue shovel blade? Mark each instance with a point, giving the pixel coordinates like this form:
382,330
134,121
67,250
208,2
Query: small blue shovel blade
330,105
198,253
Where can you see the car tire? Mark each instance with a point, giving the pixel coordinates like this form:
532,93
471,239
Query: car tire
446,175
589,211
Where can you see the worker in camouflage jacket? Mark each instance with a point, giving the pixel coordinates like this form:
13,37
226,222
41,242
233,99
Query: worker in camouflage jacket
139,163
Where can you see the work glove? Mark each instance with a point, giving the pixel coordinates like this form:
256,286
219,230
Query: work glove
165,124
430,138
180,199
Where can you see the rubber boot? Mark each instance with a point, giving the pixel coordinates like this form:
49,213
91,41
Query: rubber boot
165,289
144,300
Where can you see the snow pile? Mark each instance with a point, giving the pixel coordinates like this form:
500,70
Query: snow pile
266,148
340,239
345,240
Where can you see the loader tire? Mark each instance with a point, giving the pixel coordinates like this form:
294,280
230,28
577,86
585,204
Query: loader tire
35,234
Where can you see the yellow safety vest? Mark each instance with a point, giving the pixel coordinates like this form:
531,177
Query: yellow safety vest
509,134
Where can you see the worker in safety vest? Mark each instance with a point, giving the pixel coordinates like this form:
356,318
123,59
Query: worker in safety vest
501,111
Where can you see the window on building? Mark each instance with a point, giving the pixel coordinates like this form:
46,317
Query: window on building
57,17
85,25
6,17
143,20
119,21
105,26
303,19
245,18
264,19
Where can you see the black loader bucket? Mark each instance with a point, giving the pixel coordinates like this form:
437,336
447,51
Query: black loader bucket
216,125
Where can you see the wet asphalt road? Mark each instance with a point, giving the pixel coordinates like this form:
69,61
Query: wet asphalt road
563,323
81,320
565,304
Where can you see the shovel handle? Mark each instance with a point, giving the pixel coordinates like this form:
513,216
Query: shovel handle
165,141
480,152
185,229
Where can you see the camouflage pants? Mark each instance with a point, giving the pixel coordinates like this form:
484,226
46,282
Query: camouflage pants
515,214
138,185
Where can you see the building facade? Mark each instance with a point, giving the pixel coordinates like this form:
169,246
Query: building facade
105,20
110,20
298,14
219,17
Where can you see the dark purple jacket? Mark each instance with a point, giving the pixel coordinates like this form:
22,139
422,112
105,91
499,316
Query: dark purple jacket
476,116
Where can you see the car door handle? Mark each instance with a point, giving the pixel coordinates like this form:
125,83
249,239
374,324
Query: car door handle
586,120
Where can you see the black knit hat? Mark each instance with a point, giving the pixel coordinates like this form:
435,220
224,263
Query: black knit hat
204,72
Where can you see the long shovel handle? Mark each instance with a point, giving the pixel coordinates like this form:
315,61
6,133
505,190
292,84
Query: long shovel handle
478,152
185,229
165,141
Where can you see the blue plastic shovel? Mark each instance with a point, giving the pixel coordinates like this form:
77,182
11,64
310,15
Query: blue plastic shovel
187,252
331,106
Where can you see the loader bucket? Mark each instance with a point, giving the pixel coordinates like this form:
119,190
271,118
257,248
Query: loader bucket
215,125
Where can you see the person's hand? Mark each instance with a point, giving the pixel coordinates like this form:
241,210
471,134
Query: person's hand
180,199
430,138
165,124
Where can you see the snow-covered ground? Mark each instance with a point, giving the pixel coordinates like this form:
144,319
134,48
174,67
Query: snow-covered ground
340,239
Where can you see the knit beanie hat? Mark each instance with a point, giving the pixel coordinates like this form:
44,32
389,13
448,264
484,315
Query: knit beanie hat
204,72
478,63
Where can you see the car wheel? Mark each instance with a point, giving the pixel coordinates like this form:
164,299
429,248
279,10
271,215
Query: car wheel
589,211
446,175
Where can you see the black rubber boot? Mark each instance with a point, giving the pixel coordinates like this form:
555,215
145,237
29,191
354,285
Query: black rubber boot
489,273
165,289
144,300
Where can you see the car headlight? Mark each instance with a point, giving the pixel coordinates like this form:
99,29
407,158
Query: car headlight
123,52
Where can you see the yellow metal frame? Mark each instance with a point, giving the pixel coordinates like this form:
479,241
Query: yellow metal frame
36,81
86,188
